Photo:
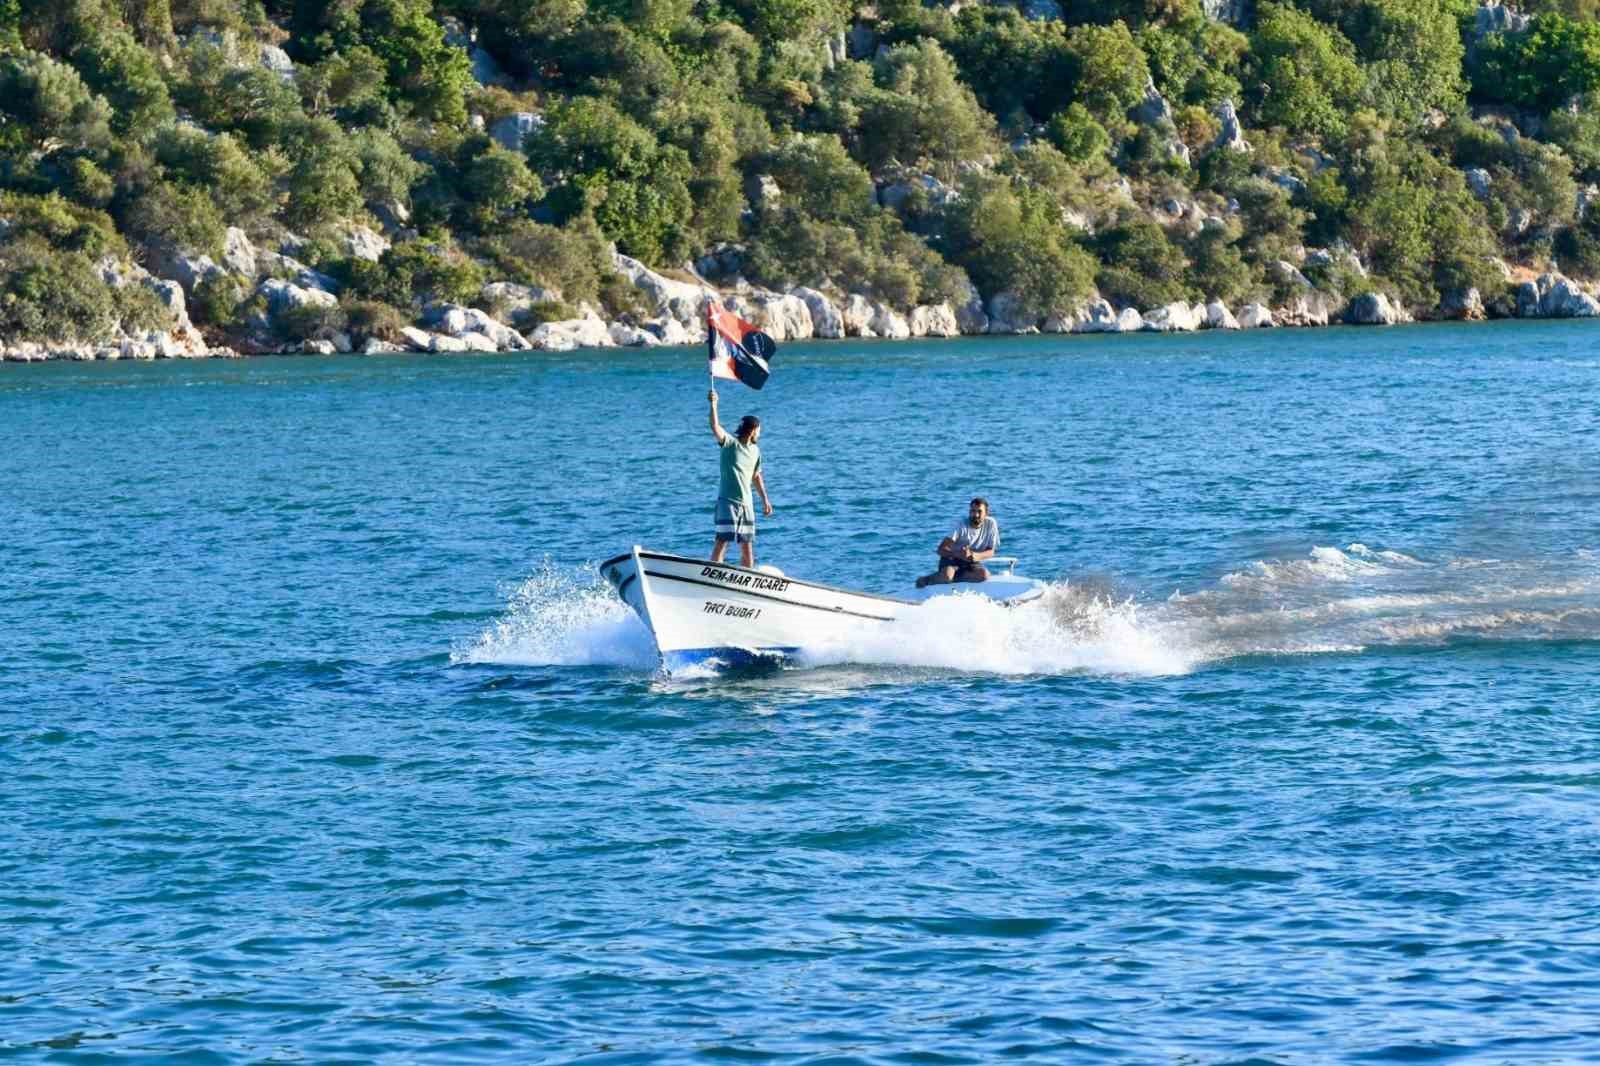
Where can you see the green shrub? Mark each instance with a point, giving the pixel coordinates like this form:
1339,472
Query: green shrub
414,273
636,189
499,184
819,178
241,183
127,75
549,311
62,224
48,294
1553,60
1140,267
1010,237
138,309
309,321
179,215
566,258
1078,136
370,319
217,300
1305,74
921,113
50,105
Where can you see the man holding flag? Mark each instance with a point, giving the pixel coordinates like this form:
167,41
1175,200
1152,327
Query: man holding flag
741,468
740,352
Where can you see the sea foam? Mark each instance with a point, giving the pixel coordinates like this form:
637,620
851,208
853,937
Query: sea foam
1332,600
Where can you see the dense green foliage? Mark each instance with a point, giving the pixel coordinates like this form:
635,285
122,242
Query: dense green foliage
898,149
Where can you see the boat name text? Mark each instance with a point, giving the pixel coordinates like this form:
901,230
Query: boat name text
731,610
746,581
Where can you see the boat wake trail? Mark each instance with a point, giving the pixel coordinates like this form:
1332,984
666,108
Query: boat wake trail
1354,599
1331,601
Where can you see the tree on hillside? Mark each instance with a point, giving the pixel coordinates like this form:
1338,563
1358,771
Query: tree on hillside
1549,63
1305,74
425,72
48,106
921,112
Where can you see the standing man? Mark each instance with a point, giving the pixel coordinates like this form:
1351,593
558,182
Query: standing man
962,553
741,468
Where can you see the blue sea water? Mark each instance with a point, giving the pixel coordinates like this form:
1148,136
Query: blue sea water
321,741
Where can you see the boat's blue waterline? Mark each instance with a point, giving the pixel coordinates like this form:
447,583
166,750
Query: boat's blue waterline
725,658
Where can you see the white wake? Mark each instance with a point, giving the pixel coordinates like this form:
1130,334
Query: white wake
1332,600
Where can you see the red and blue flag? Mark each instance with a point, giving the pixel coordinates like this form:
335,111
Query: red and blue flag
739,351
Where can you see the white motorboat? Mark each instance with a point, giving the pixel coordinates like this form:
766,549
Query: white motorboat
719,615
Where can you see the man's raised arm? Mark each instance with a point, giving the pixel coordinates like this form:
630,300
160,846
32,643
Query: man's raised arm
720,434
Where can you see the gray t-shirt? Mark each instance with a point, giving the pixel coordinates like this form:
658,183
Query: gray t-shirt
739,462
986,537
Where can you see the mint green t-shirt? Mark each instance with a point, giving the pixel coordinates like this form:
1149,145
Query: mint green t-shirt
739,464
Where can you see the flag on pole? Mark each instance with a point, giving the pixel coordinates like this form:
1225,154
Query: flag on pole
739,351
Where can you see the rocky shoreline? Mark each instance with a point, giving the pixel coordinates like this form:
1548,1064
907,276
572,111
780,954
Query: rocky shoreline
676,311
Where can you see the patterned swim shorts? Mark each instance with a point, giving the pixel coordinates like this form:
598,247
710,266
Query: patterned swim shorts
735,522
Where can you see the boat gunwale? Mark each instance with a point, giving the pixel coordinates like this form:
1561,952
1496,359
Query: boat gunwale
759,573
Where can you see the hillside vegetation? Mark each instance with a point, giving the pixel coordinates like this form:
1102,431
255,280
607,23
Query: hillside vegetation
402,153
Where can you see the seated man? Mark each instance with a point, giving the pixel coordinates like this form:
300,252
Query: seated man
962,553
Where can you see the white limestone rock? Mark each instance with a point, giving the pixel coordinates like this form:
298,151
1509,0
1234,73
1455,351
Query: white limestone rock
239,253
1008,314
936,193
1219,317
1285,180
1307,309
377,346
186,270
362,242
1560,297
1176,317
826,320
420,340
669,331
1466,305
458,321
678,299
1289,274
1096,316
934,320
626,336
887,322
1479,181
277,60
439,342
587,332
287,296
1231,136
286,266
1128,321
970,315
513,131
1498,18
781,316
1375,309
857,316
1256,316
318,347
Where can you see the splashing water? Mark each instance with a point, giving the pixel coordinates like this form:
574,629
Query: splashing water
559,617
1332,600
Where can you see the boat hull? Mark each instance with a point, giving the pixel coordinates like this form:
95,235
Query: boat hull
720,616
